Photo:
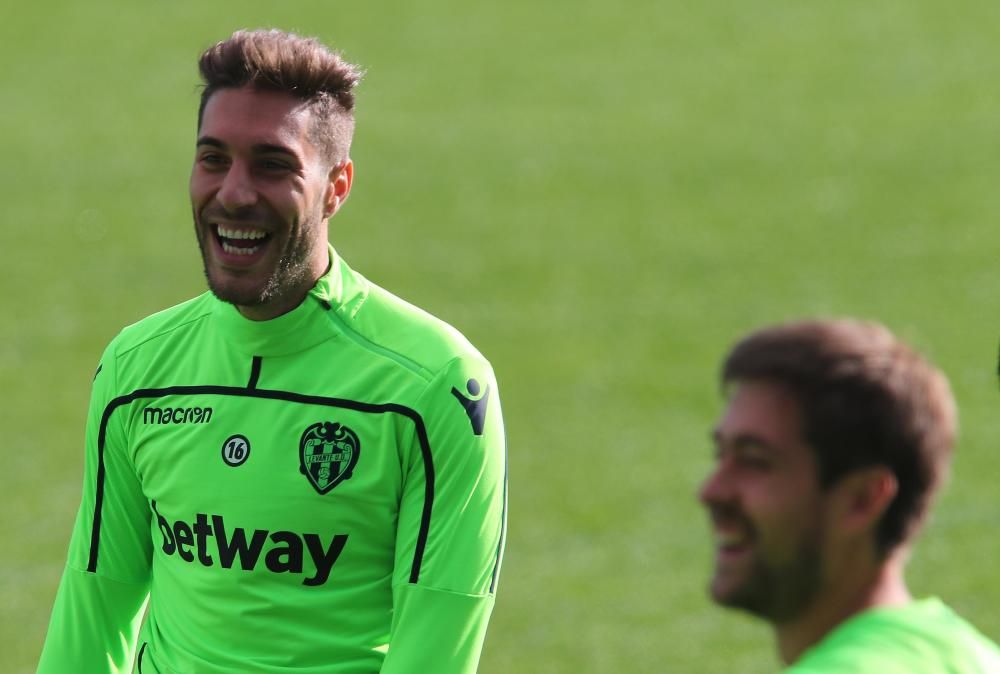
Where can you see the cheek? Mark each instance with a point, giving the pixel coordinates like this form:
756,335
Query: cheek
200,188
291,204
779,513
311,210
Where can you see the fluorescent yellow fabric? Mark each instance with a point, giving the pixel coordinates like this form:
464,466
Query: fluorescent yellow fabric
924,637
305,494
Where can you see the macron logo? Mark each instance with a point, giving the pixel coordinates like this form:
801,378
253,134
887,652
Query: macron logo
176,415
285,550
475,407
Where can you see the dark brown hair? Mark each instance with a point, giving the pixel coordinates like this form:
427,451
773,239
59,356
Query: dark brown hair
274,60
866,399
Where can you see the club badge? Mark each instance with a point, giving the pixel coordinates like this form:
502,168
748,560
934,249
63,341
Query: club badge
328,453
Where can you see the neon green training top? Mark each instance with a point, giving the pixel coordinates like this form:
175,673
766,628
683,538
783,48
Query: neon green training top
923,637
321,492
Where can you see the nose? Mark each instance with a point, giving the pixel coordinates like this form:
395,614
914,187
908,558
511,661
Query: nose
717,488
237,189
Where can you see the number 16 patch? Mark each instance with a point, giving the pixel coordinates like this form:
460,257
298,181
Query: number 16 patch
235,450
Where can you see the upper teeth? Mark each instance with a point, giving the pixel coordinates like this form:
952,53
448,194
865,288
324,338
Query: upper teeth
227,233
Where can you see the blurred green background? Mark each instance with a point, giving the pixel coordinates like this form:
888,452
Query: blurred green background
602,196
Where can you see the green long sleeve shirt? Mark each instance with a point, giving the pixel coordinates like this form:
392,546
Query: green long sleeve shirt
321,492
922,637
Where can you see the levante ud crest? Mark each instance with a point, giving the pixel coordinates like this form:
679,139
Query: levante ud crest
328,453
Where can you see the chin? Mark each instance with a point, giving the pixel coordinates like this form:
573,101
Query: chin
725,596
736,594
236,292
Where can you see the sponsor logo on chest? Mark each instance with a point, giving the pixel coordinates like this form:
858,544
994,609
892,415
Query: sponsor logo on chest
208,541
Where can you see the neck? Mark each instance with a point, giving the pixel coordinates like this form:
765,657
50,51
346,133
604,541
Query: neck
274,308
852,592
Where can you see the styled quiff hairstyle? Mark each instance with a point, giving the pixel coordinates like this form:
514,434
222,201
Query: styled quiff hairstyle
273,60
866,399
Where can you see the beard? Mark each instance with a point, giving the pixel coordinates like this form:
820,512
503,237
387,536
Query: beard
290,270
774,585
779,592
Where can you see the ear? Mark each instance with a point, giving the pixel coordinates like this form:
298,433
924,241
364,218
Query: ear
862,497
339,183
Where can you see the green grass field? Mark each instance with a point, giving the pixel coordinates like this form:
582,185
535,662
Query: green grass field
602,197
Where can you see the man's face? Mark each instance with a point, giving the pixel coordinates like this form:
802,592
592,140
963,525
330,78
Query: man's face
765,504
261,195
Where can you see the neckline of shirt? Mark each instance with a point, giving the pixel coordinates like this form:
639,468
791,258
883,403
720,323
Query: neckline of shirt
301,328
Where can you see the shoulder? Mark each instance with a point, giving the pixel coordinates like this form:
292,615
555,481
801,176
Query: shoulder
860,653
161,324
925,636
386,323
145,340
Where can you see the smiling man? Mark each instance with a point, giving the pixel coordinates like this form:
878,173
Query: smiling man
835,438
263,187
296,471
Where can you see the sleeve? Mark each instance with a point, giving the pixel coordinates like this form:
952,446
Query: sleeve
452,526
100,600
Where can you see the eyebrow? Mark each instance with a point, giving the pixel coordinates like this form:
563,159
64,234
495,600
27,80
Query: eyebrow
742,441
259,148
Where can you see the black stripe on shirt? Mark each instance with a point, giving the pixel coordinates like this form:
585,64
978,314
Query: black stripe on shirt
254,372
503,524
288,396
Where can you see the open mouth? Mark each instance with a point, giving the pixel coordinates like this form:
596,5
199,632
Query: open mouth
731,542
732,535
241,241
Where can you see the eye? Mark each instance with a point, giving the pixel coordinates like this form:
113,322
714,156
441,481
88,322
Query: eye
755,461
212,160
275,166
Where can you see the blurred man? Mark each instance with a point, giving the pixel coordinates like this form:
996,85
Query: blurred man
835,439
300,471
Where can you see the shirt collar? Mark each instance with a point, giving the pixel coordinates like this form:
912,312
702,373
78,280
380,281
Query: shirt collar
340,289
